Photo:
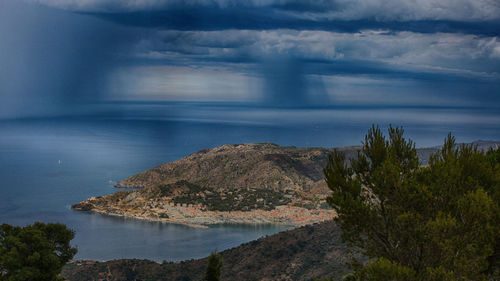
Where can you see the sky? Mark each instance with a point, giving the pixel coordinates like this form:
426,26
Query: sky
62,56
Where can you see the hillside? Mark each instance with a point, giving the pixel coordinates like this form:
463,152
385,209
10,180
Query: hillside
244,183
256,165
304,253
247,183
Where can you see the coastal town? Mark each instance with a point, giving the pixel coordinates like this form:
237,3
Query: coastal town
197,215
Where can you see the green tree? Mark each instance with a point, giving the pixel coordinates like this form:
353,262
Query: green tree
494,260
493,155
35,252
438,222
214,266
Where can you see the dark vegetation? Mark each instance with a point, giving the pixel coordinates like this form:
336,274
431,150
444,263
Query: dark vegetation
35,252
422,223
186,193
213,272
235,200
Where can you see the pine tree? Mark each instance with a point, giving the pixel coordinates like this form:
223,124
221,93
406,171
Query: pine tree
435,222
214,266
35,252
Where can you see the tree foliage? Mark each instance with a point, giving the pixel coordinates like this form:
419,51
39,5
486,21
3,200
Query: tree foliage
214,266
35,252
435,222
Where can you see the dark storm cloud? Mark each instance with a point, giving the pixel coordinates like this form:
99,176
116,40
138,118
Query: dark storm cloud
267,19
384,10
463,16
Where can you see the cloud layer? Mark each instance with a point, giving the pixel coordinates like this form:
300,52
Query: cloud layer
439,52
276,52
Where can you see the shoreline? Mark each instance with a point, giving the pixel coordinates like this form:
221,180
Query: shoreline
104,213
198,217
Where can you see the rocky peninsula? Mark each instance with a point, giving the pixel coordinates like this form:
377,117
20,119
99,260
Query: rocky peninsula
258,183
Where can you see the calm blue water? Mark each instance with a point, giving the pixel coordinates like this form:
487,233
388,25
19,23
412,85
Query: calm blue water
48,164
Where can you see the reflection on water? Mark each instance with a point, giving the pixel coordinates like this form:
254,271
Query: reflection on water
47,165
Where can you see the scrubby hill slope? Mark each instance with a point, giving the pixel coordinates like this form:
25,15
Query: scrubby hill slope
256,165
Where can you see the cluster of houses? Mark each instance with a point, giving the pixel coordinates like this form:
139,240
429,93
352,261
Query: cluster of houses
199,215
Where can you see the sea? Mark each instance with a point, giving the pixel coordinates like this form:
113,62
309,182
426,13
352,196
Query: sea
47,164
